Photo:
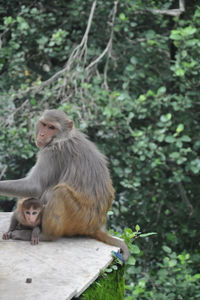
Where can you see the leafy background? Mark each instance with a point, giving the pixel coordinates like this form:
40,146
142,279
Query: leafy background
129,78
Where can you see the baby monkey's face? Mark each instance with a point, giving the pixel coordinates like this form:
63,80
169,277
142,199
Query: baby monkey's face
31,216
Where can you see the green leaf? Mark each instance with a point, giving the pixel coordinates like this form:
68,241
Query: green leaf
114,267
122,17
167,249
172,263
180,72
8,20
196,276
185,138
135,249
109,270
137,133
137,227
132,261
170,139
175,35
150,34
33,101
142,98
180,128
174,155
165,118
133,60
161,90
188,31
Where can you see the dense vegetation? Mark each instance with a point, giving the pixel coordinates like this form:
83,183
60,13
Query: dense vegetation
127,72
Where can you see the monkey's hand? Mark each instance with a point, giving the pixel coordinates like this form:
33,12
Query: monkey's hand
35,236
7,235
35,240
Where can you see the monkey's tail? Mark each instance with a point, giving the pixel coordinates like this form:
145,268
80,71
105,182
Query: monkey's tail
104,236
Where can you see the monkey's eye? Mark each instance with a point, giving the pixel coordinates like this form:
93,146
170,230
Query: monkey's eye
34,213
43,124
52,127
27,212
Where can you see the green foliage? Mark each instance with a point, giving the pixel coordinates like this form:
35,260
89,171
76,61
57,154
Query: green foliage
174,277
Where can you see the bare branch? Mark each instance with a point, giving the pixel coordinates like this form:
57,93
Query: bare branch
83,43
182,5
78,51
9,120
110,44
171,12
185,197
3,172
99,57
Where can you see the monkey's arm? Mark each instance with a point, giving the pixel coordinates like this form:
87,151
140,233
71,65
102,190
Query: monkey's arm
13,224
40,177
25,235
35,236
25,187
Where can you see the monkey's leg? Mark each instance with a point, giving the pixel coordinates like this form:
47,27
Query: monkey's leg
25,235
63,215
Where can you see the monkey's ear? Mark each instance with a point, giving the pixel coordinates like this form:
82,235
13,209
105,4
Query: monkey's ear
70,124
19,204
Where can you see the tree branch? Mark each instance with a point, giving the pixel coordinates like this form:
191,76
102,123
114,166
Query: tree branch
109,44
3,171
171,12
77,52
184,197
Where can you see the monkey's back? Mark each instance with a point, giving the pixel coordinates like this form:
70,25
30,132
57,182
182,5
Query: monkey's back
85,170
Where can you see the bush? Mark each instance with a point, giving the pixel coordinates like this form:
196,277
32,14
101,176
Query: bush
175,277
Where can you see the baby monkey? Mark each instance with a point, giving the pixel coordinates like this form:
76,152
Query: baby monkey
28,215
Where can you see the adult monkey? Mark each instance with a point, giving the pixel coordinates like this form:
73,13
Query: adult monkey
71,178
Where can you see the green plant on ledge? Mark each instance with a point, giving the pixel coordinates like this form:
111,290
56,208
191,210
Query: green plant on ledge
110,284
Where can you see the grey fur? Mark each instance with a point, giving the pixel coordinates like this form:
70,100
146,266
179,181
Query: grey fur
69,158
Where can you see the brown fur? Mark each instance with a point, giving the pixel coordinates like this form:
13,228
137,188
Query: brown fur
75,214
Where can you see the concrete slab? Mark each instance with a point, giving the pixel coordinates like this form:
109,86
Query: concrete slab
58,270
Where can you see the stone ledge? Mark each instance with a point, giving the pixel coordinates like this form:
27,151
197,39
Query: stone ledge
58,270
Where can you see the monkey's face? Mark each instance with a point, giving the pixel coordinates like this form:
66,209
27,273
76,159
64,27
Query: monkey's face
32,216
45,133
